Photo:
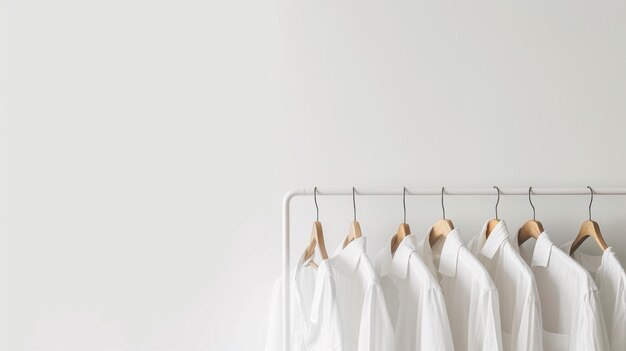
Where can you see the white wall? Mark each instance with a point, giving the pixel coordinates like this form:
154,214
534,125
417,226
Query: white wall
146,146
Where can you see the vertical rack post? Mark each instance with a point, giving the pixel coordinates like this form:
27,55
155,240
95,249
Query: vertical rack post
286,327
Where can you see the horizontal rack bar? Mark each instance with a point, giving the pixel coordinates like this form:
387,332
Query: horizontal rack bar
457,191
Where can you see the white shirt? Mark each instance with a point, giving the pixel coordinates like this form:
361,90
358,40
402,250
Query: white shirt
365,320
414,299
520,307
315,319
470,295
570,305
337,307
609,275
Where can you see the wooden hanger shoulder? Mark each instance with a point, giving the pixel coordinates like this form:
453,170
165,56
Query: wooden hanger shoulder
403,231
317,240
354,233
441,228
589,228
530,229
491,225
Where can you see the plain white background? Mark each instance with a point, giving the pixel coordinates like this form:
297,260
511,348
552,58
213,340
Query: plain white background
146,146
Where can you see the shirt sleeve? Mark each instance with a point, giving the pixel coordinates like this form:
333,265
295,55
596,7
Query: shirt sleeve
530,328
589,332
486,327
618,325
376,330
435,333
274,339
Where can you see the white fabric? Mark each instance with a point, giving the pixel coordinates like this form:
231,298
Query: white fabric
414,299
338,307
609,275
520,307
470,295
365,320
315,319
570,304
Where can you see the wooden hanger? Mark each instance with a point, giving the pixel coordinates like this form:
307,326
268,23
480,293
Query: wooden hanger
589,228
354,233
442,227
530,229
317,240
355,226
491,225
317,237
403,230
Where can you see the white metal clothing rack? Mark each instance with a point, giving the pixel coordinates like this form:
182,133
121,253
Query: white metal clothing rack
420,192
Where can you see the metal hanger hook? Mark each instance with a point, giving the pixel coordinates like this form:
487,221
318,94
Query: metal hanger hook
531,202
317,209
590,201
404,204
354,202
443,208
498,201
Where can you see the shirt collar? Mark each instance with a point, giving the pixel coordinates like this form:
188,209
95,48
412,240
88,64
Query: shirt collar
592,263
448,260
398,263
543,251
450,254
490,245
345,260
382,262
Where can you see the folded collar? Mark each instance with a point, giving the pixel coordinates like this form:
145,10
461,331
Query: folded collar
448,260
397,264
450,254
592,263
345,260
542,252
490,245
383,260
400,262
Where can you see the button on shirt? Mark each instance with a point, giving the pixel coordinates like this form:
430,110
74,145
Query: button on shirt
570,305
414,299
520,307
609,275
365,320
315,319
470,294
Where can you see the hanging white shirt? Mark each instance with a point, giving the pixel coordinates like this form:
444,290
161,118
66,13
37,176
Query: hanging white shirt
520,307
365,320
314,315
414,299
571,311
470,295
609,275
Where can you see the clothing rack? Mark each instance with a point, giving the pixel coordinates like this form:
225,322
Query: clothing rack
419,192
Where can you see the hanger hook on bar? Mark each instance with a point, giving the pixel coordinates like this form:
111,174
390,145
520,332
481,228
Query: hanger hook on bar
354,202
443,208
590,201
317,209
498,201
404,204
531,202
